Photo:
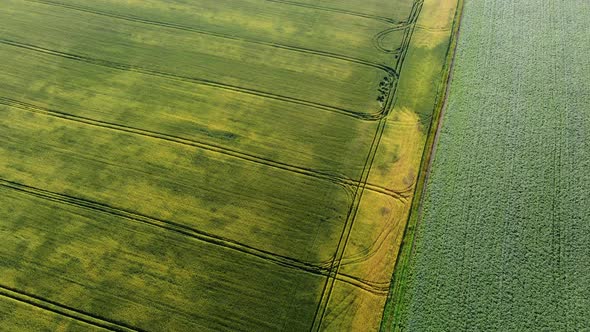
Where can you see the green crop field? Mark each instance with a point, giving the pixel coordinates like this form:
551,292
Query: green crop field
170,165
504,242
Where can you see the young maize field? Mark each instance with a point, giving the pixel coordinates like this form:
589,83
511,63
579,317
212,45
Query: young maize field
504,239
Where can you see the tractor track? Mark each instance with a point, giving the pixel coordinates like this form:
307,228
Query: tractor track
332,272
345,234
194,80
130,18
336,10
375,247
350,219
345,182
178,228
378,39
67,311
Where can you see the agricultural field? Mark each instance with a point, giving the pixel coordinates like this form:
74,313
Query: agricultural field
211,165
504,239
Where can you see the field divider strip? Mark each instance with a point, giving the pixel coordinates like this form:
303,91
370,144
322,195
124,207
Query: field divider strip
345,182
194,80
66,311
285,261
136,19
391,320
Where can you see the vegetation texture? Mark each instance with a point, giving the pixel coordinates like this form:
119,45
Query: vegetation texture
503,244
210,165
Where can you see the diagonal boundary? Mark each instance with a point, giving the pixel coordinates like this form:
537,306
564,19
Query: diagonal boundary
407,246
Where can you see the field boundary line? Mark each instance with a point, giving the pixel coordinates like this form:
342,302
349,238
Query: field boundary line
66,311
353,210
407,247
178,228
176,26
194,80
340,180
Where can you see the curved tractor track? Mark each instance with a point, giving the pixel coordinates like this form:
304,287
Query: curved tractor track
336,263
378,39
136,19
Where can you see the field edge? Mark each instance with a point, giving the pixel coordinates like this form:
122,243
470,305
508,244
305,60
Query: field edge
394,305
